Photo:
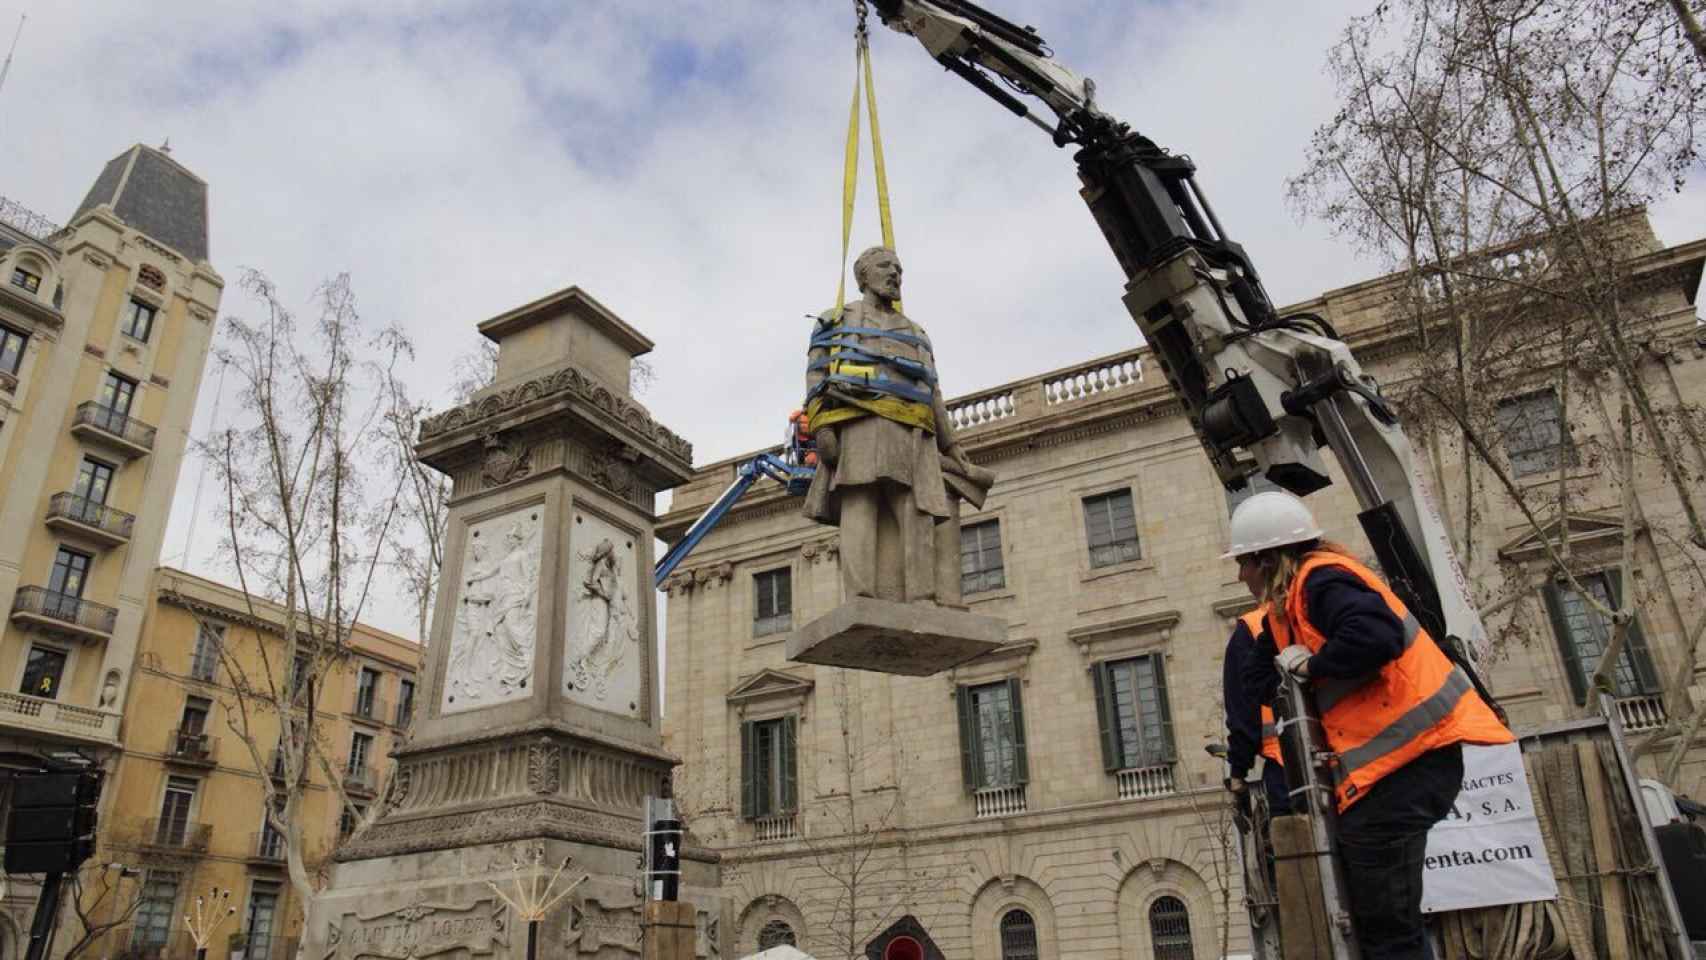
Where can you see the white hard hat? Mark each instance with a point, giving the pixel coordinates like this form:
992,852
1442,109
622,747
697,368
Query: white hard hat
1272,518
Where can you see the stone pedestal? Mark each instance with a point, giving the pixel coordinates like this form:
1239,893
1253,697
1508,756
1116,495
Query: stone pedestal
913,639
538,734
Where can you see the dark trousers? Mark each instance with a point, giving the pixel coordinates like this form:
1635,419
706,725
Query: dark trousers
1382,841
1273,781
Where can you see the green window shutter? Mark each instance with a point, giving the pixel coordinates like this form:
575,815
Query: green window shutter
1636,649
790,766
1021,763
1099,681
1553,592
968,738
748,773
1170,752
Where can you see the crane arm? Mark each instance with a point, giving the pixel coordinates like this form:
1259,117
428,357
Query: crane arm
1262,392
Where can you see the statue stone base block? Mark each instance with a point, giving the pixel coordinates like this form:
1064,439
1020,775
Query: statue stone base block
911,639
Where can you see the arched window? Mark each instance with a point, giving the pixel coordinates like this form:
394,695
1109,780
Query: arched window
1018,936
1170,929
775,934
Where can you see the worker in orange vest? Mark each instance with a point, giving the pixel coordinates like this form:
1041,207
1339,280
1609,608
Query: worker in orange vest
1250,725
1395,710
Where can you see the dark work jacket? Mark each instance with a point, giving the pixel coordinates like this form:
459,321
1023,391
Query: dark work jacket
1362,634
1244,719
1243,714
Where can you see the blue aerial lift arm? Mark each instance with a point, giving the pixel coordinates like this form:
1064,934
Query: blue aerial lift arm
793,468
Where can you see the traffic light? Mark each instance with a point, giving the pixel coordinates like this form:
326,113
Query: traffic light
52,826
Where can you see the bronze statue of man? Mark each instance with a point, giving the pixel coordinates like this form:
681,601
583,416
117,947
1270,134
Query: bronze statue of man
891,471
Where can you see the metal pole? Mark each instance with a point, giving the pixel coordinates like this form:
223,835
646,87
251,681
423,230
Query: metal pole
47,911
532,940
7,67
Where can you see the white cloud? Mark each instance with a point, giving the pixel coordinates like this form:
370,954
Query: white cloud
460,158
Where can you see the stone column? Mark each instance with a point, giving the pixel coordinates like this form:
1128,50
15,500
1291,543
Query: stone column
538,733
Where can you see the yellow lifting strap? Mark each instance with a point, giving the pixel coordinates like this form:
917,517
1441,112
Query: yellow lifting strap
863,77
847,408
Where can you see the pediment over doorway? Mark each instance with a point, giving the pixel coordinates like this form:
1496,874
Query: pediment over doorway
769,685
1585,531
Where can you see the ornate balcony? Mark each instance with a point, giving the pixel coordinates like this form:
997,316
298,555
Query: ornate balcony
782,826
174,836
361,780
115,430
191,747
63,613
1640,714
41,715
1143,783
177,944
1000,801
78,516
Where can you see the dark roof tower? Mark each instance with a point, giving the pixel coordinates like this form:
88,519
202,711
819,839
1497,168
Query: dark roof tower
156,195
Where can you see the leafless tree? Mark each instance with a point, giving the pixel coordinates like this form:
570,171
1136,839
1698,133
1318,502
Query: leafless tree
100,903
309,511
1492,150
857,849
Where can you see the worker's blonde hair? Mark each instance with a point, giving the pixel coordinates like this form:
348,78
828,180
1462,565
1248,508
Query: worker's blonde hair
1279,567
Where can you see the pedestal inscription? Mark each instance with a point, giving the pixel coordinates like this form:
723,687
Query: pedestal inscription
497,608
420,929
602,664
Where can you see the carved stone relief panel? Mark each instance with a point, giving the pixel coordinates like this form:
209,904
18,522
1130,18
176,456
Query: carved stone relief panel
602,664
497,612
419,930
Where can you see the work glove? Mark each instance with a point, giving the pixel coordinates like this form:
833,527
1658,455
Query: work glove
1294,659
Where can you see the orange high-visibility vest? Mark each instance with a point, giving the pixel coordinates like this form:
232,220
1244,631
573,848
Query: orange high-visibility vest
1270,727
1416,703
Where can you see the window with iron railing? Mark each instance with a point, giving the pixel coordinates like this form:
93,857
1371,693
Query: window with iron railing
1018,936
1170,929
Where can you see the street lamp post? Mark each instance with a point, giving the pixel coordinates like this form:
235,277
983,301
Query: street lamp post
531,901
208,918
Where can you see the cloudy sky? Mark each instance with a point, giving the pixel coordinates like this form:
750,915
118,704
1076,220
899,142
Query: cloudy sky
680,160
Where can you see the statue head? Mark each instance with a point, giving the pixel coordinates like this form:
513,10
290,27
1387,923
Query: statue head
877,271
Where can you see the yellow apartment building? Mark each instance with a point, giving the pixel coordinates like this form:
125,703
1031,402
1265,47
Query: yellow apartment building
105,325
184,804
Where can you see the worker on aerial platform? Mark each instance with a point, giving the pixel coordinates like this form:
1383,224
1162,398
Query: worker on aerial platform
1394,708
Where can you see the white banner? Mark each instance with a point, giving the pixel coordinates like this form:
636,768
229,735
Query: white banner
1488,851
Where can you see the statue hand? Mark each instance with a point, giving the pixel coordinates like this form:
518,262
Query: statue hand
828,447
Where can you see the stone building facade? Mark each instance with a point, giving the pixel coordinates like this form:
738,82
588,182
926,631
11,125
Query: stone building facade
105,326
1054,799
185,798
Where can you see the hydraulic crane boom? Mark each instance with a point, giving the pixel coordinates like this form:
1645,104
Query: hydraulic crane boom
1262,392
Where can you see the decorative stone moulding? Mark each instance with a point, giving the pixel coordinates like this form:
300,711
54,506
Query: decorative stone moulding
566,382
